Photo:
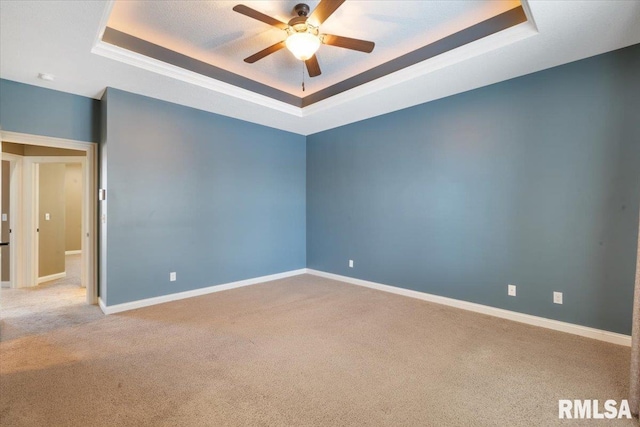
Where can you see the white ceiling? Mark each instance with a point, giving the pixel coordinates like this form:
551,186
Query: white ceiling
212,32
58,38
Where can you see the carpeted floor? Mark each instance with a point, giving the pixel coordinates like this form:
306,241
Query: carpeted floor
298,351
48,306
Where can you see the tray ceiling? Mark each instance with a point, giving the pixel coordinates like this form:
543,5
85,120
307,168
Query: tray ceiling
64,38
211,33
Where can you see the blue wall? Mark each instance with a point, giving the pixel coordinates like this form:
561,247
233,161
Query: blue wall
213,198
34,110
533,181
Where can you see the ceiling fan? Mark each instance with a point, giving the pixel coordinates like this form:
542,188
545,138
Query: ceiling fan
304,37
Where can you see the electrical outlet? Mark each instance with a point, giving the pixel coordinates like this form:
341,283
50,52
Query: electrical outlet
557,297
350,263
172,276
511,290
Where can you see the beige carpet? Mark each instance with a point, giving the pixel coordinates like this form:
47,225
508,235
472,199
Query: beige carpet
298,351
48,306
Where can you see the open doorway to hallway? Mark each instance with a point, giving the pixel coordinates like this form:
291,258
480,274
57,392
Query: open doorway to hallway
55,198
48,219
58,207
49,216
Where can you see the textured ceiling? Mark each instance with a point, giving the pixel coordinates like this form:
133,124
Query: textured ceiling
212,32
60,38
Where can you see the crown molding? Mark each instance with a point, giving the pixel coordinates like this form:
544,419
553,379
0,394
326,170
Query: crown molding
137,60
495,41
478,47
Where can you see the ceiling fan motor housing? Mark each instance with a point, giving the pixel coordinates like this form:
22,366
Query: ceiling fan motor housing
301,9
299,23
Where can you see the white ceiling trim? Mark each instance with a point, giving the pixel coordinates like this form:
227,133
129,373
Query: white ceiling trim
108,7
486,44
150,64
495,41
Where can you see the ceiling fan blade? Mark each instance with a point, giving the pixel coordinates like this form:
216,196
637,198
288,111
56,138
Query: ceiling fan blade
252,13
264,52
324,10
312,66
348,43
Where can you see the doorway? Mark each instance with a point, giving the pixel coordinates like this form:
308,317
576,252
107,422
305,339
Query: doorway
52,237
10,180
58,214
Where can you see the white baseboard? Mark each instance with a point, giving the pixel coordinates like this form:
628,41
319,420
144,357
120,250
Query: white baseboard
102,306
556,325
77,252
5,284
52,277
117,308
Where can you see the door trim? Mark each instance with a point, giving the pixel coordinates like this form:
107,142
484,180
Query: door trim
15,219
89,215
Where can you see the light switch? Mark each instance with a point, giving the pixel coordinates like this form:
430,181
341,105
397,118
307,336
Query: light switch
4,217
47,217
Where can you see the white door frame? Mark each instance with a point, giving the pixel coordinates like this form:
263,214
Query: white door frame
89,212
15,219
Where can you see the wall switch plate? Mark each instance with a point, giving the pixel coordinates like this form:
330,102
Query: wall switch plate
557,297
172,276
47,217
511,290
4,217
351,263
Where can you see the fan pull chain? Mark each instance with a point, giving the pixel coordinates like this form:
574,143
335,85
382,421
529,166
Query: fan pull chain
303,76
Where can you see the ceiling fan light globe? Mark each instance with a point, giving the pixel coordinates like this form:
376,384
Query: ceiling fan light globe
303,45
